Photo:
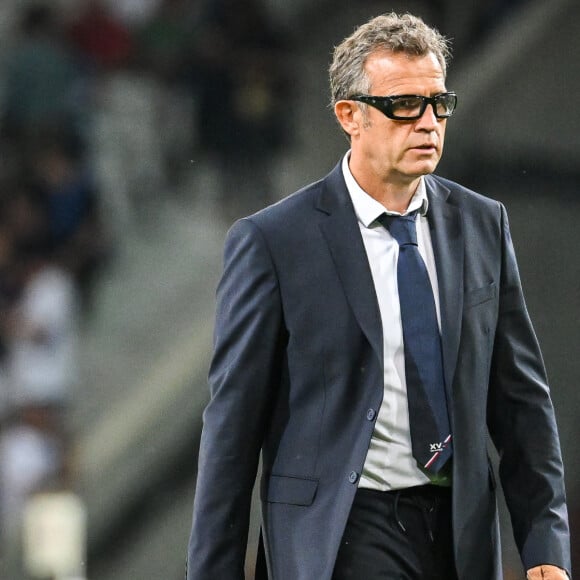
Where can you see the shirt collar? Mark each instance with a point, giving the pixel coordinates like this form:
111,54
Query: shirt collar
368,209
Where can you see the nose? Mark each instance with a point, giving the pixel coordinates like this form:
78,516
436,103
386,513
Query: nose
428,121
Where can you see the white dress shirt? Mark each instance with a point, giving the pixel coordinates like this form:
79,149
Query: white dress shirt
389,463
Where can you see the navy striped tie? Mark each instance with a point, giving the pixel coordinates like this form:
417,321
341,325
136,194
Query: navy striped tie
428,415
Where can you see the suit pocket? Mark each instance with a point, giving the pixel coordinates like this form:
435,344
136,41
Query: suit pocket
478,296
291,490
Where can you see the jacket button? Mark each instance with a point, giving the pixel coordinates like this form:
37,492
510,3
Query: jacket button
353,477
371,414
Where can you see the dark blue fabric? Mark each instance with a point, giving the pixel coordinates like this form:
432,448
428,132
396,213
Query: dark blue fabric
297,365
428,416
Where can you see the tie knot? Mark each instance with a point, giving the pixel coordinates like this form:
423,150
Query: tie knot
401,227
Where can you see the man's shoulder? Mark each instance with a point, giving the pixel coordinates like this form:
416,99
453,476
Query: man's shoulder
296,208
460,194
300,200
286,220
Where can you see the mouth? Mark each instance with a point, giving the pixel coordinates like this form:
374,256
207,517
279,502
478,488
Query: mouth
429,147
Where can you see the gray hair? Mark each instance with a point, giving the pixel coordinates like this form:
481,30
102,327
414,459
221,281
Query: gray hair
392,32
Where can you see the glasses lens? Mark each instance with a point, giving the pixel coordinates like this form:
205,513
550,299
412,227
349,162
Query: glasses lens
445,105
406,107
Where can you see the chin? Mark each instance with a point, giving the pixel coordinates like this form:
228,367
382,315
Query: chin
423,169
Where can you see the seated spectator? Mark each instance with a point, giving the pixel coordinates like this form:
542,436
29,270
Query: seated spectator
31,458
41,330
102,40
164,48
124,138
41,369
164,43
242,79
43,83
67,192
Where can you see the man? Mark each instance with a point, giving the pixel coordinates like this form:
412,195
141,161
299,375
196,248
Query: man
370,330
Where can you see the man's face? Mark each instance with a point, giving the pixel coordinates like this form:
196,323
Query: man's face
398,152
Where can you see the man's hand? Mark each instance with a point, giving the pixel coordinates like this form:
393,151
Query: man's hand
546,572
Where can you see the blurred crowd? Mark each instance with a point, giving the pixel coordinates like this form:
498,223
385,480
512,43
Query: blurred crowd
103,106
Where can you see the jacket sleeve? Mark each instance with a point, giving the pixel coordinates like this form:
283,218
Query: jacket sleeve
523,427
243,380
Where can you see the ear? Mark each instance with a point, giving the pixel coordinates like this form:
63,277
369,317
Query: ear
349,116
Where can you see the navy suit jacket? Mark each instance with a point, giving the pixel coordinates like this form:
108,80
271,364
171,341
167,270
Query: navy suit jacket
298,364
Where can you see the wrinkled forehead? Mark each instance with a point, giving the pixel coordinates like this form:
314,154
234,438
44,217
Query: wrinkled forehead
391,72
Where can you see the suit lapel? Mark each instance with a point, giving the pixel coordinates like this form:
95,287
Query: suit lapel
341,231
448,247
342,234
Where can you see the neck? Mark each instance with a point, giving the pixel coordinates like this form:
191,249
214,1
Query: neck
393,191
394,196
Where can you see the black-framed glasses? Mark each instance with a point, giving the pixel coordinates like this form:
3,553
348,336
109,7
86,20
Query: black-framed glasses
411,107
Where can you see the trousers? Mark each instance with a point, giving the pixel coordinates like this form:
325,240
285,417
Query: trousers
398,535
